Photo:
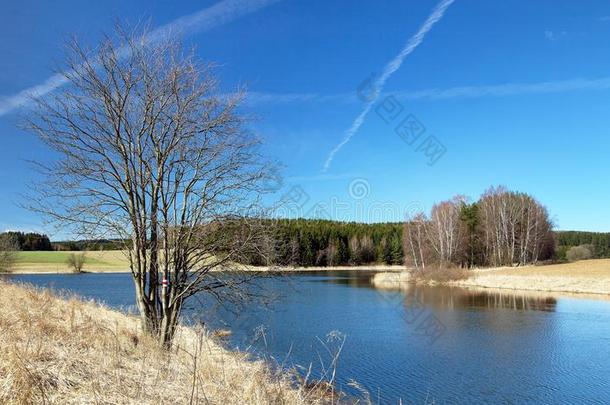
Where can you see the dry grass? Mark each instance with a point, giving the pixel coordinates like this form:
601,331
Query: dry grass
432,275
587,277
391,280
435,274
583,277
63,351
599,268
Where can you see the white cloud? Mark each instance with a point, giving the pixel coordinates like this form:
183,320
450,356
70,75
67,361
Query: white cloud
219,14
554,35
507,89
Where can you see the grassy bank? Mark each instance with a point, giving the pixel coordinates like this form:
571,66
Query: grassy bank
57,350
583,277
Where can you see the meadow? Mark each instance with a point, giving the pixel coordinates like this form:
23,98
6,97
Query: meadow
56,261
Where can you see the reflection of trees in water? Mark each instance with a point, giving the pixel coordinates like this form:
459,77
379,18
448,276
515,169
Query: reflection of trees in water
353,278
453,298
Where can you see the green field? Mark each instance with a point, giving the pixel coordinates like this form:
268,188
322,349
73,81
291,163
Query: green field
56,261
49,258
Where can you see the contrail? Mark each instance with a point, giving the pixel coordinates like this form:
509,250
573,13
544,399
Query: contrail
219,14
389,69
494,90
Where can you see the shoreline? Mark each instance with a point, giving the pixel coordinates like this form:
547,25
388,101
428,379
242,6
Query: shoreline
262,269
406,282
531,291
17,271
590,278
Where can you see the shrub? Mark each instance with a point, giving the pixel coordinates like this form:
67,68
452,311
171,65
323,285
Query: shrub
76,261
582,252
441,274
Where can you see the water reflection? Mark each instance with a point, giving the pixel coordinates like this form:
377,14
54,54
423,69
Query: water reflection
352,279
454,297
457,298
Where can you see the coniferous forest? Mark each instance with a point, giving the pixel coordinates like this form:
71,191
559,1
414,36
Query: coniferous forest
312,242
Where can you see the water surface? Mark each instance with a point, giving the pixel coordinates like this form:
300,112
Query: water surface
422,345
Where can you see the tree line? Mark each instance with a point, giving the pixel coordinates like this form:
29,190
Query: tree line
502,228
90,245
597,244
313,242
29,241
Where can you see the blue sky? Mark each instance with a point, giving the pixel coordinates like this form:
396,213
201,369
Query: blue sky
517,92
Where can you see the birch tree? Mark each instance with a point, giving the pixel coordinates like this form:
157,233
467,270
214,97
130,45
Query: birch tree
517,228
445,230
502,228
415,243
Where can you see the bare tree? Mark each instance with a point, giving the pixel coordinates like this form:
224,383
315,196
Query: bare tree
445,230
517,228
438,240
76,261
332,253
367,249
503,228
8,250
150,153
355,250
415,243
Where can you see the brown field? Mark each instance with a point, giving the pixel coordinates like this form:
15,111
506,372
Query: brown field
66,351
598,269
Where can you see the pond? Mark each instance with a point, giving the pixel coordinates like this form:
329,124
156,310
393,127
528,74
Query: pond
421,345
